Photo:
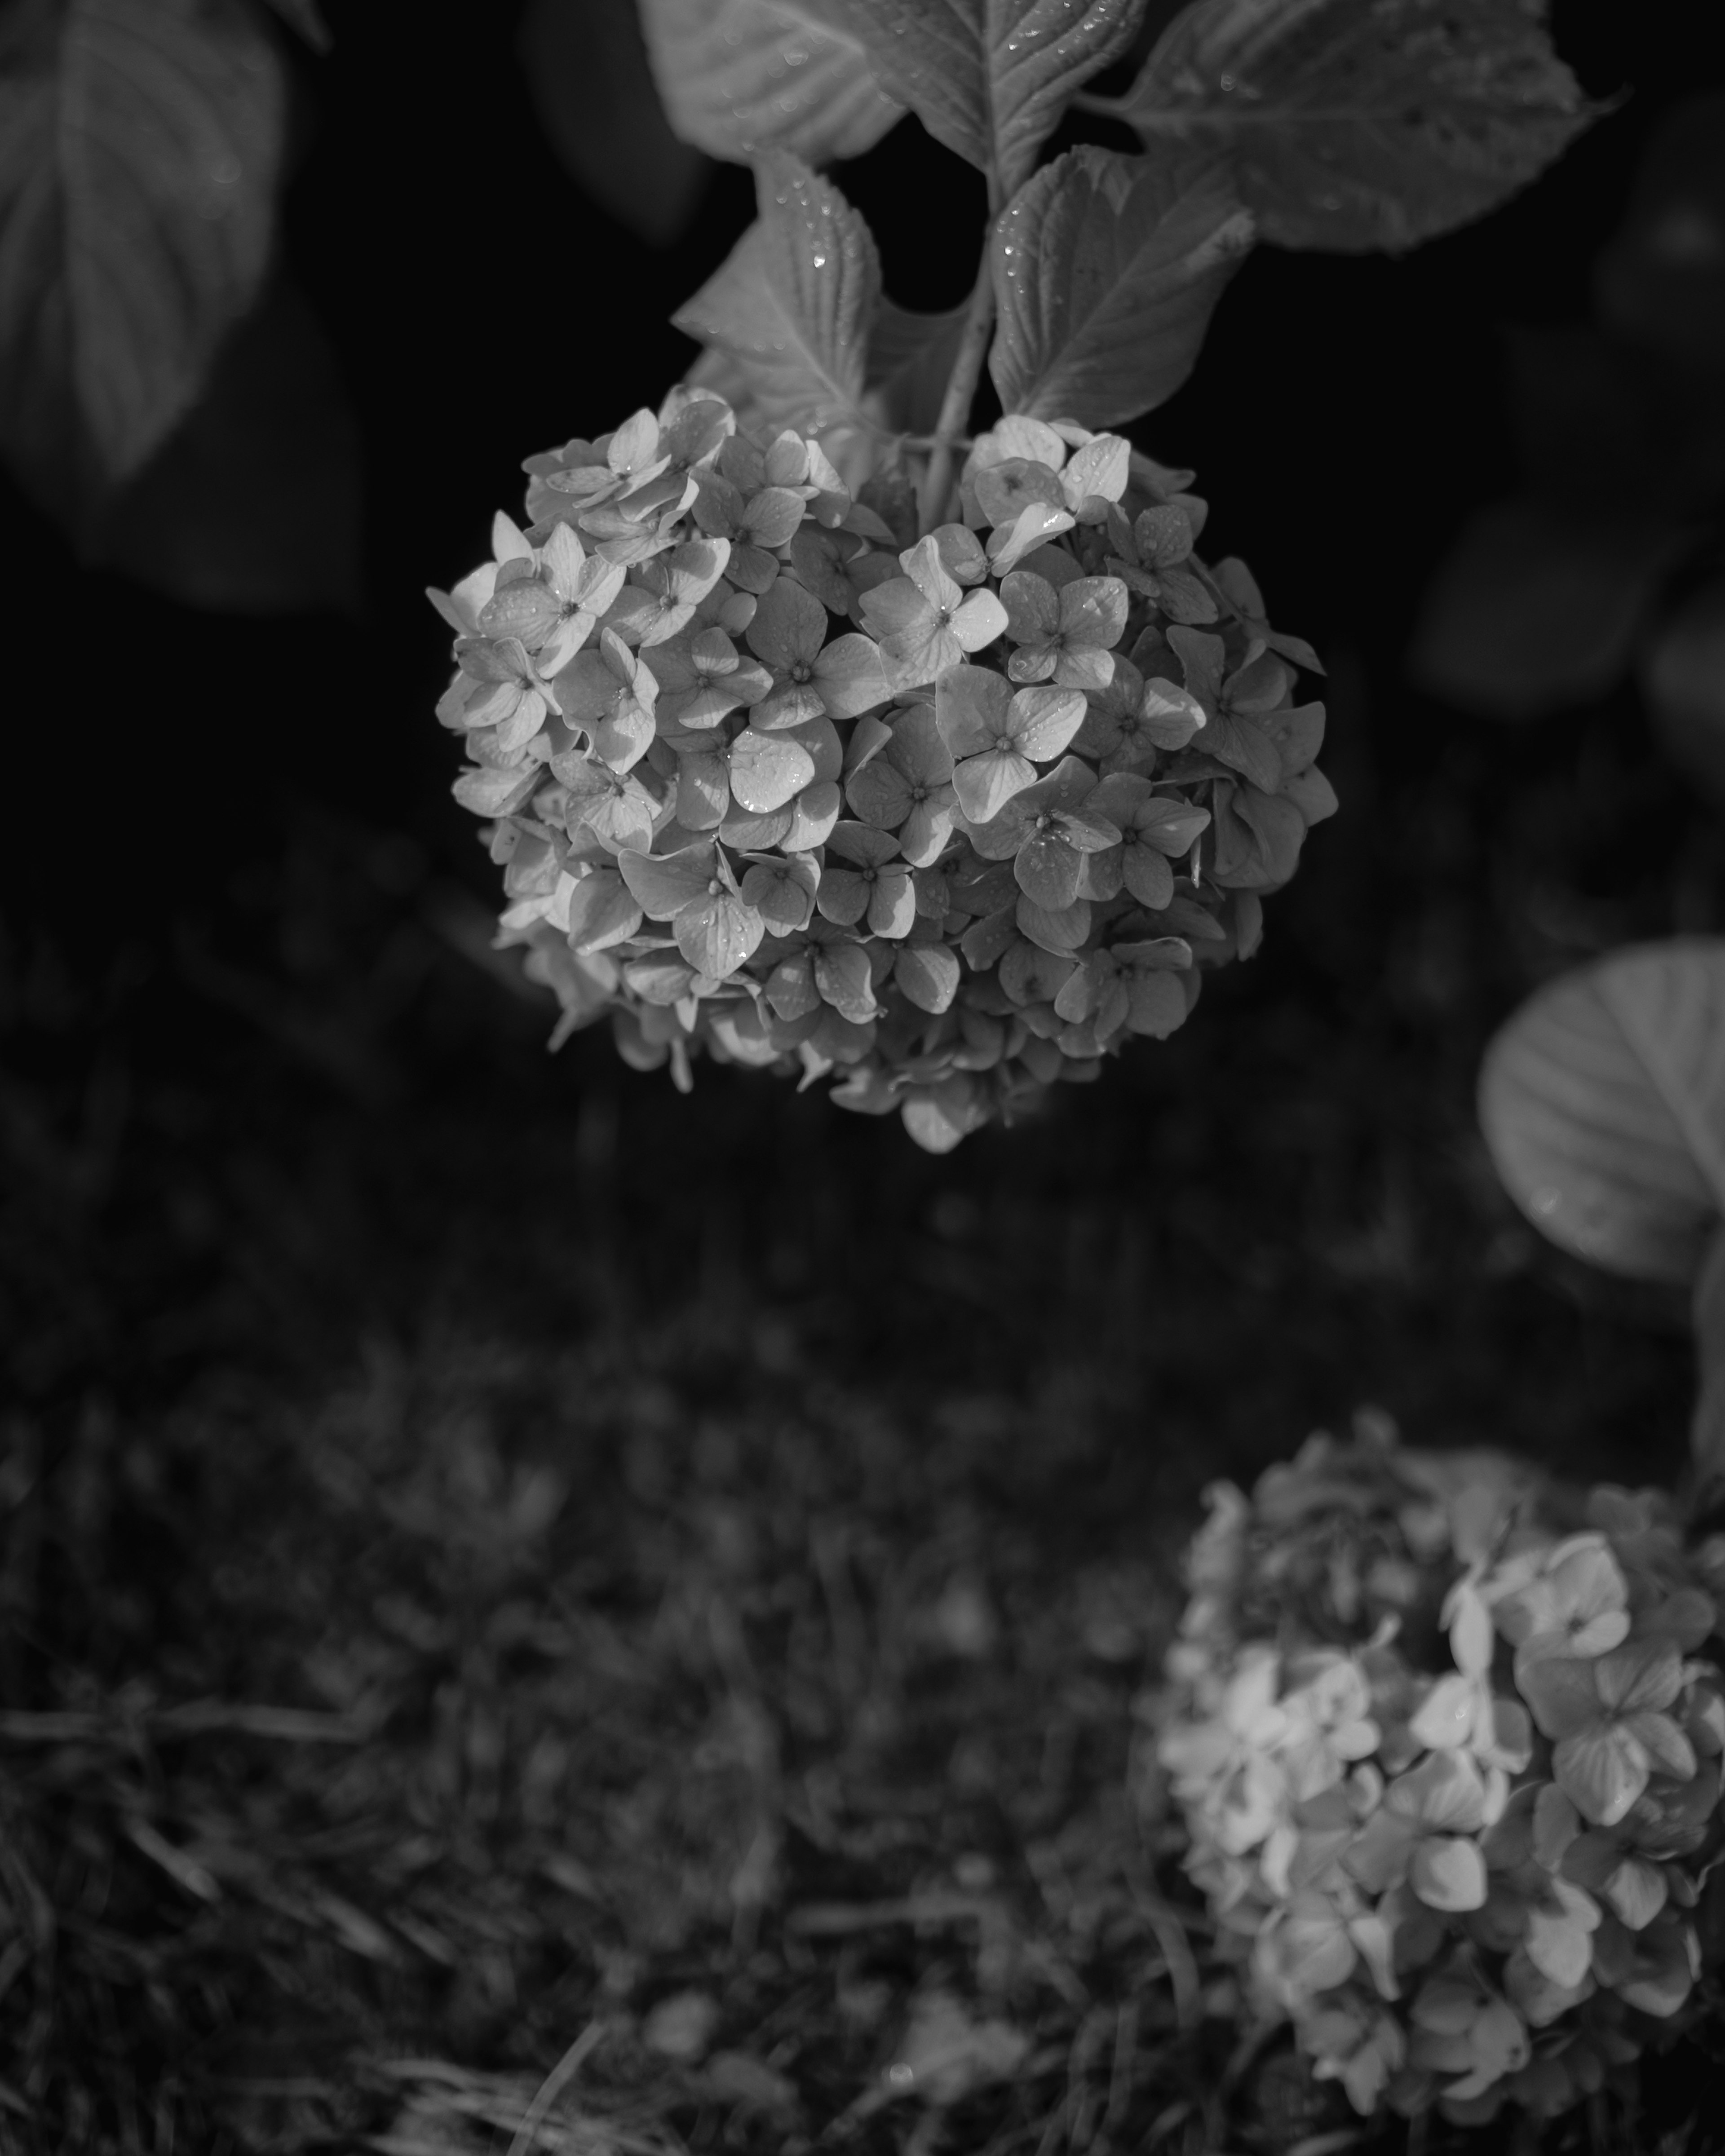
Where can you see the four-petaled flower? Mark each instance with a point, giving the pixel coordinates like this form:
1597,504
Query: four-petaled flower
812,679
905,786
1424,1832
702,677
997,736
1572,1599
1045,831
1131,719
1610,1716
925,620
1065,636
612,694
876,884
554,611
499,692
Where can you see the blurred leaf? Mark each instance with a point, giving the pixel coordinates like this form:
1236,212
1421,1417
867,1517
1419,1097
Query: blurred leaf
1359,124
792,304
588,75
253,505
990,78
742,76
1706,1426
1683,680
138,148
1661,281
305,17
910,357
1531,613
1602,1101
1107,270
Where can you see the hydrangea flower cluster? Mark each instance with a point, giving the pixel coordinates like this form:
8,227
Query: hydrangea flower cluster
946,818
1447,1742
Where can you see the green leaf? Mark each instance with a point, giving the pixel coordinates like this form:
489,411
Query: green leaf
139,146
792,303
1107,270
742,76
1602,1101
253,504
990,78
587,73
1361,124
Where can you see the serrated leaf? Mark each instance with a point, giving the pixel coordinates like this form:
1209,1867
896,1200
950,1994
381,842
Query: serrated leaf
990,78
742,76
792,305
1361,124
1106,271
1602,1101
139,146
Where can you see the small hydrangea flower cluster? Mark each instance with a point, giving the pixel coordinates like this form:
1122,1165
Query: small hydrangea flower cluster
1448,1751
946,818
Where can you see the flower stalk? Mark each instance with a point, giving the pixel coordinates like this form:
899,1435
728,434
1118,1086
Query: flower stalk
954,419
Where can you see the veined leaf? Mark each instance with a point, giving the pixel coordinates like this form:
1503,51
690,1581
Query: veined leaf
1107,270
139,145
1602,1101
739,77
1359,124
990,78
792,304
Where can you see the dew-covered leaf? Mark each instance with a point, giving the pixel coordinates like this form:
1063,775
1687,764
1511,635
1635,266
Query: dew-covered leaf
1361,124
791,304
990,78
742,76
139,149
1602,1101
1107,270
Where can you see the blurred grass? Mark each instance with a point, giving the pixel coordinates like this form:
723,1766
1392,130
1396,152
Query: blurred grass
505,1566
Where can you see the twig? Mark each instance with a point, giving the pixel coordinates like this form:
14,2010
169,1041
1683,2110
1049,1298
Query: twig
961,390
552,2086
288,1725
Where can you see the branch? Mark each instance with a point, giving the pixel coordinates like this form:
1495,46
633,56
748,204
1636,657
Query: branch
961,390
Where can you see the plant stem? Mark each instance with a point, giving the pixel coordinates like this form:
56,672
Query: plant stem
961,391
